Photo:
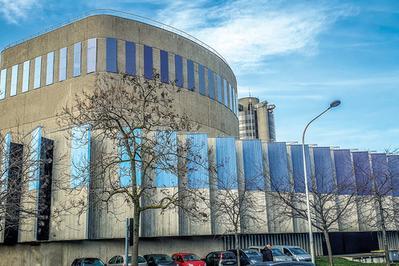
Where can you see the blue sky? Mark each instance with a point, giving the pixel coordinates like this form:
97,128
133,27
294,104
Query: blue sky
299,55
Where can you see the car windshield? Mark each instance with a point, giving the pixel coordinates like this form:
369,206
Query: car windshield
162,257
139,259
298,251
277,252
191,257
228,255
93,262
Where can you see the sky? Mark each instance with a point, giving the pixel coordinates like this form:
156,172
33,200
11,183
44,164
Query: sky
298,55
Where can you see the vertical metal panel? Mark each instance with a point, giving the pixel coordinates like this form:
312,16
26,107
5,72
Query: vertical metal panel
362,169
226,160
393,164
201,79
3,80
38,71
77,59
179,71
253,165
80,156
62,66
164,57
111,55
148,62
297,167
344,171
190,75
50,68
14,80
211,84
381,176
278,166
198,175
166,146
130,58
323,169
91,55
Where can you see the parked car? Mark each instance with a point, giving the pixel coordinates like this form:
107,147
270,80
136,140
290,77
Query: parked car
248,256
159,260
295,252
221,258
119,260
277,254
286,263
87,261
187,259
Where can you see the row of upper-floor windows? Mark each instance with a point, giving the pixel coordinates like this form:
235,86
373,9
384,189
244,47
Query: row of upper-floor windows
186,72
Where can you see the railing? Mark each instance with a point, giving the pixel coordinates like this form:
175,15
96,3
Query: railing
121,14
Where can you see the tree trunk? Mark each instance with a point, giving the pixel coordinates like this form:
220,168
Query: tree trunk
136,228
384,232
328,244
237,248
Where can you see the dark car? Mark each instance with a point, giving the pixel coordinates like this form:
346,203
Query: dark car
221,258
248,256
285,263
87,261
159,260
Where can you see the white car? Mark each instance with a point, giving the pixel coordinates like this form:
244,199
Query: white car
119,260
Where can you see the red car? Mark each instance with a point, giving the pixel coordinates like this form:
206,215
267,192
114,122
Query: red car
187,259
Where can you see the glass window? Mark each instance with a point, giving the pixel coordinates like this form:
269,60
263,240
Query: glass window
190,75
63,64
230,97
219,90
91,55
253,165
38,70
225,95
211,84
34,157
179,70
130,52
50,68
14,80
3,79
164,66
201,79
166,147
197,176
124,164
77,58
226,161
80,156
112,55
25,78
148,62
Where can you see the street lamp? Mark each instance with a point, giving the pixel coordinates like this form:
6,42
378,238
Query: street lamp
332,105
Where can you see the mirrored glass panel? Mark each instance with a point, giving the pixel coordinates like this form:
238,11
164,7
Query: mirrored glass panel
14,80
112,55
77,59
25,78
38,72
211,84
190,75
63,64
197,161
219,89
80,156
91,55
34,158
225,94
148,62
179,71
226,161
130,48
50,68
201,79
3,79
164,66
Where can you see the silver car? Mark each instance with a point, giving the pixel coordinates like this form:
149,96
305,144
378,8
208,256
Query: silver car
295,252
278,256
119,260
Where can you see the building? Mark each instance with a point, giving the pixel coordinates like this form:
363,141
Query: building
256,119
39,76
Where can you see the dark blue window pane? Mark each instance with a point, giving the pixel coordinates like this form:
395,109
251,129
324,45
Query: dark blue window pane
362,169
225,94
344,172
219,88
201,79
297,167
190,75
226,162
253,165
382,178
197,165
323,170
111,55
393,164
179,70
211,84
130,48
164,66
148,62
278,167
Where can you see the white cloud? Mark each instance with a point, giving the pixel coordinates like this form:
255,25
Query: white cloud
15,10
246,32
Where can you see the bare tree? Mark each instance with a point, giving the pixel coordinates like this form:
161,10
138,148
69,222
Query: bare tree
330,202
135,126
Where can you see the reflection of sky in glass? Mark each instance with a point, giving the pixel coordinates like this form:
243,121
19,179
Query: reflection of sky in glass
278,166
323,169
297,167
91,55
111,55
77,58
344,171
381,175
393,164
124,165
197,165
34,158
80,156
253,165
361,165
226,163
167,159
130,53
5,160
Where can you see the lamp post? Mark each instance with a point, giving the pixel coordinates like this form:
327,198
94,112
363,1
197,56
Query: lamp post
305,175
